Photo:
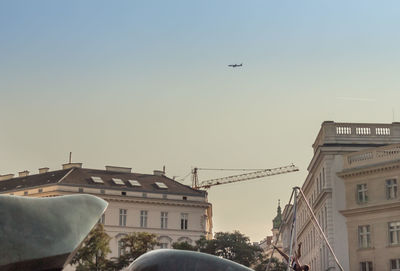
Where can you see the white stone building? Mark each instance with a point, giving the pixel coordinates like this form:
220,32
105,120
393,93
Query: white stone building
325,190
137,202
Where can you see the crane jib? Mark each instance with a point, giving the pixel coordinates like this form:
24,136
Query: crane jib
244,177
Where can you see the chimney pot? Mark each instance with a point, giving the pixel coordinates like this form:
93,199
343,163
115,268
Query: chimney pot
43,170
23,173
72,165
6,177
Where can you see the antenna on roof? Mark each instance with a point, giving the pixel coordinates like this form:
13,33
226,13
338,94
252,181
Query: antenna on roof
70,156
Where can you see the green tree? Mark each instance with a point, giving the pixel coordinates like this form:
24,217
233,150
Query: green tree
92,255
134,245
232,246
275,265
184,246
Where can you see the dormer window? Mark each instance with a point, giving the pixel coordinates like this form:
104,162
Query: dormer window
134,183
161,185
118,181
97,180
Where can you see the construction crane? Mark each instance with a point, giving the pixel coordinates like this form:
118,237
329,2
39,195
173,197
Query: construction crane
238,178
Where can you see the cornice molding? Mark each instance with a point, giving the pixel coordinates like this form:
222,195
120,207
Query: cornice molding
154,201
371,209
369,170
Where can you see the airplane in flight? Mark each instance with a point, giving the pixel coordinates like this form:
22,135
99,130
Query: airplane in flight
235,65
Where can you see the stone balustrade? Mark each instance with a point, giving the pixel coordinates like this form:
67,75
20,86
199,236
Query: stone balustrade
333,133
372,156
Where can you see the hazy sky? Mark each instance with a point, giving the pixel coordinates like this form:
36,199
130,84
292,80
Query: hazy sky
144,84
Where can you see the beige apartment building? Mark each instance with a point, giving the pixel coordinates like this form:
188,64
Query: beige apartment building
326,192
138,202
371,179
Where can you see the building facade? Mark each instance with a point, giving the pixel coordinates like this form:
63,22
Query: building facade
137,202
372,210
326,192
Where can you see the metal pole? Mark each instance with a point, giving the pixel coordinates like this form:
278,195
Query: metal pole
293,231
319,228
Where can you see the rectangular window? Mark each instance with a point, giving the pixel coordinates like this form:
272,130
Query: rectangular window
366,266
164,220
40,190
80,190
391,189
364,236
394,233
121,250
143,219
103,219
362,195
184,221
395,265
122,217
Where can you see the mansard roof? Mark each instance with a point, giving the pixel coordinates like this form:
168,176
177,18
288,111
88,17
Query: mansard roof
83,177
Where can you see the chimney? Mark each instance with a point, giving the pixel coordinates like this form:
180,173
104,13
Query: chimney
158,172
43,170
6,177
72,165
23,173
119,169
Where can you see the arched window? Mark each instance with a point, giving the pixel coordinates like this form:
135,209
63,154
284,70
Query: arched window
164,241
185,239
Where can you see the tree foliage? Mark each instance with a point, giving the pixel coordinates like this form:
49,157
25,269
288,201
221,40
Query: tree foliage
134,245
184,246
93,252
232,246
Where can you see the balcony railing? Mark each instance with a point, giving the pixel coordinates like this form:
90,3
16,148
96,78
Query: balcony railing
372,156
357,133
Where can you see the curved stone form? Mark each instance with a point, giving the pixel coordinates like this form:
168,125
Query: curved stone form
43,233
181,260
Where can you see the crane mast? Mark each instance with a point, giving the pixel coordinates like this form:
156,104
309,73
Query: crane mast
240,177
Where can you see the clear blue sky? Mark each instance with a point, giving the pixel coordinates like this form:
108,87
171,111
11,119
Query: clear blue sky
146,84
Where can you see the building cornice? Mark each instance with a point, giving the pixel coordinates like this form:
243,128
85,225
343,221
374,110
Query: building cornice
371,209
128,189
131,199
371,169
